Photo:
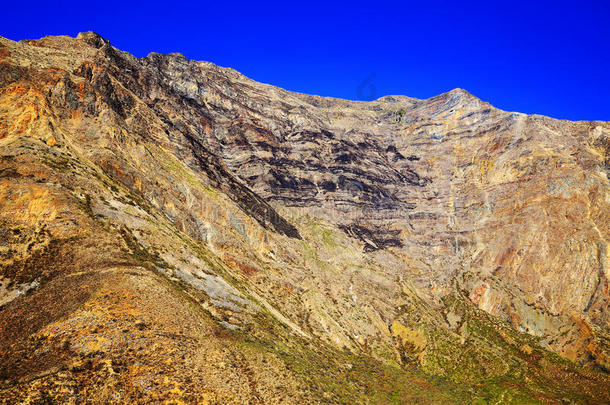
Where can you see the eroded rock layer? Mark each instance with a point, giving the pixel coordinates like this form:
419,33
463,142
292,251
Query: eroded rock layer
172,230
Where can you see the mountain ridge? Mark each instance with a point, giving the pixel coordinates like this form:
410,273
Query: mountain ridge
442,242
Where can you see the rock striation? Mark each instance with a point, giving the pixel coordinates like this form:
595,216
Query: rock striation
171,230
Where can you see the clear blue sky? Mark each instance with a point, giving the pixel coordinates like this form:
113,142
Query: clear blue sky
545,57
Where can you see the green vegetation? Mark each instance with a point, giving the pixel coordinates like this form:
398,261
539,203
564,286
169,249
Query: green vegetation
86,206
338,376
142,255
399,114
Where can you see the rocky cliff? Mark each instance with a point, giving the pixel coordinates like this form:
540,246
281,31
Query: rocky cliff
171,230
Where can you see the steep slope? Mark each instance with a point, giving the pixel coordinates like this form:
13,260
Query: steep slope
172,230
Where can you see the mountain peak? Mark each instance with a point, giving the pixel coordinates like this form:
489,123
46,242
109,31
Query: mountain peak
462,94
92,38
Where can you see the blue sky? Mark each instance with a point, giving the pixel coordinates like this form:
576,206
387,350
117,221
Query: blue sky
544,57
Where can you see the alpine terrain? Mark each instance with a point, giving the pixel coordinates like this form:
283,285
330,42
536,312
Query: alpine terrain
172,231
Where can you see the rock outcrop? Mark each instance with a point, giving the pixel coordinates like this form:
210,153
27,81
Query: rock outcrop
172,230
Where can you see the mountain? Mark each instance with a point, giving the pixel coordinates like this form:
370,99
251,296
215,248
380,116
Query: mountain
171,230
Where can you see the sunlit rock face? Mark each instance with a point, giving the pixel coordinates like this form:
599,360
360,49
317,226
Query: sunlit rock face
172,230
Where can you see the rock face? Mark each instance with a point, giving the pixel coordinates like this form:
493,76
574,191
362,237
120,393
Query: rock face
172,230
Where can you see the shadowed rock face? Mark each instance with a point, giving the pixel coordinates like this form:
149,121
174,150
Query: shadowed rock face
172,230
